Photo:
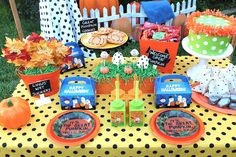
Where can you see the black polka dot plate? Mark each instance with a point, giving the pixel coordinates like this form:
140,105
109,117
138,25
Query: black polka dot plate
177,126
72,128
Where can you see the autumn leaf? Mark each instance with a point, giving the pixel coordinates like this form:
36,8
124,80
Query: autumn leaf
14,45
34,37
35,52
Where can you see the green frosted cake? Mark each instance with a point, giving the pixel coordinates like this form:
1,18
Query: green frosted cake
210,32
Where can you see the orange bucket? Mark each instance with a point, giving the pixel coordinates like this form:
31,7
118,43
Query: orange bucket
53,77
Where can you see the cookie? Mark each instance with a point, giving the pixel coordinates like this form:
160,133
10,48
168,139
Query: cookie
115,39
121,34
98,41
104,31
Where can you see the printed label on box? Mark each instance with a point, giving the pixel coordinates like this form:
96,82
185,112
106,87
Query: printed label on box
136,118
158,58
41,87
117,118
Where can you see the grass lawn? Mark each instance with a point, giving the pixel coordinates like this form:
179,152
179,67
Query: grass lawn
8,77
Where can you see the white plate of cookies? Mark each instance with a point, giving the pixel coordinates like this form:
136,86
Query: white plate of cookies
104,38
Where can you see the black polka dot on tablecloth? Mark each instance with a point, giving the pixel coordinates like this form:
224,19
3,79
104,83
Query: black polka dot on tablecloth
154,139
44,152
139,152
211,145
114,146
59,152
147,146
82,146
4,145
122,152
163,146
227,145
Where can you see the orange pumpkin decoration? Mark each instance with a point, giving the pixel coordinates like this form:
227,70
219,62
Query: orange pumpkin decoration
104,70
122,24
15,112
98,4
128,70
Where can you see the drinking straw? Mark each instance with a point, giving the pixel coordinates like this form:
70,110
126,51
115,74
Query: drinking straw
117,87
136,89
135,79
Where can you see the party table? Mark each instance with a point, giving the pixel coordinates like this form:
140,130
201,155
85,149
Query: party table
219,138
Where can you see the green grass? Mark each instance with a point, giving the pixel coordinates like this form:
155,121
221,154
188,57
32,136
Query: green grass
8,77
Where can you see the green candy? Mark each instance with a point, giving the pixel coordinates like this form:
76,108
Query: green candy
158,35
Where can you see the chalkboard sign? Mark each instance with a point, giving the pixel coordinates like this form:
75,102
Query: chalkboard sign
158,58
90,25
41,87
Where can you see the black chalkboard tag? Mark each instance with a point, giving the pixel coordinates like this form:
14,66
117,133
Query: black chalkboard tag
89,25
40,87
158,58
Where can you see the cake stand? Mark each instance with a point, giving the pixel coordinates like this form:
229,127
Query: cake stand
195,70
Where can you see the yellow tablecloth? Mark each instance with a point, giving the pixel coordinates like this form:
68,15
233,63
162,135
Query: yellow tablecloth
219,138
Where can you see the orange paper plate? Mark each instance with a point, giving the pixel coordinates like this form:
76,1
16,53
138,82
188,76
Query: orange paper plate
72,128
85,38
177,126
203,101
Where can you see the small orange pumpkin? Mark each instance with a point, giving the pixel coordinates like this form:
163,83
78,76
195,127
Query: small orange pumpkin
128,70
15,112
104,70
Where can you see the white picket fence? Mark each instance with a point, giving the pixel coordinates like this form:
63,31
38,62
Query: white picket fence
184,7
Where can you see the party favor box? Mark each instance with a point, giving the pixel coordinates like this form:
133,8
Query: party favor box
78,93
76,59
172,91
160,43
